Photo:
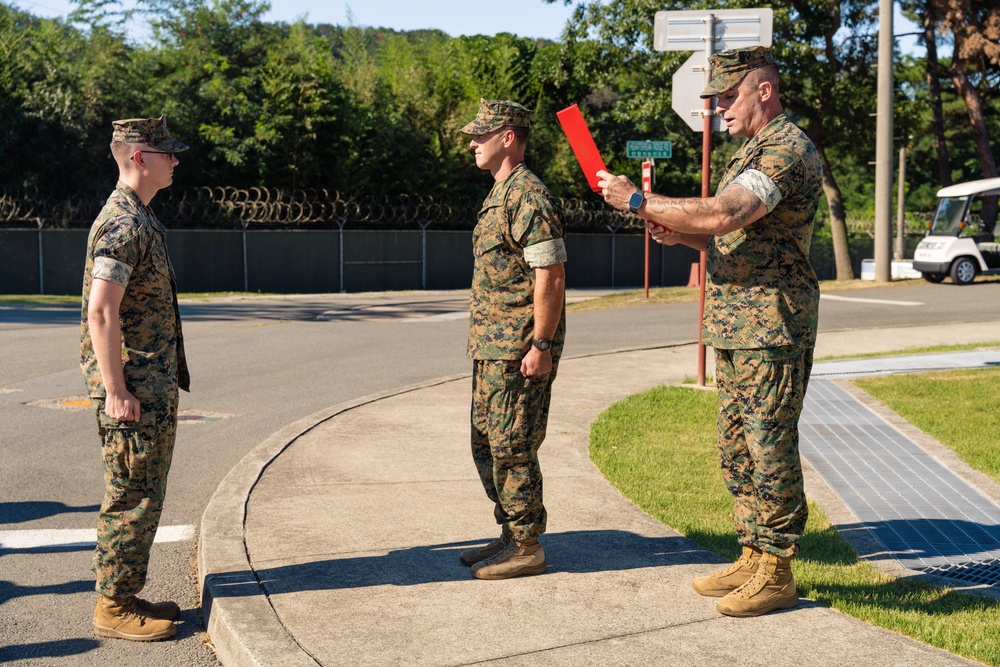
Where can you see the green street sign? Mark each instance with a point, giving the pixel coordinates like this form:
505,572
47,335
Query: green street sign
660,150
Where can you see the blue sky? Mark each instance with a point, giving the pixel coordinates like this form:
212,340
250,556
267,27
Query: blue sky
527,18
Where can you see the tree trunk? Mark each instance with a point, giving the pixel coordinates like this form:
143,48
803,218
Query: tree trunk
974,107
838,221
934,88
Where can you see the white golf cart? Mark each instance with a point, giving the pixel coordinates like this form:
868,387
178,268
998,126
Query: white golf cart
960,241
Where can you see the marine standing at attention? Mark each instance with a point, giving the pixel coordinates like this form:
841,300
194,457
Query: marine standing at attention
761,313
132,355
516,331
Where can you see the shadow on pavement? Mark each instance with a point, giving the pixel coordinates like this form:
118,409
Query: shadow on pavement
20,512
9,590
574,552
56,649
328,310
908,539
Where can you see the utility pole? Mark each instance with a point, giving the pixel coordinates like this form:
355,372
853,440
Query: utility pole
883,146
900,249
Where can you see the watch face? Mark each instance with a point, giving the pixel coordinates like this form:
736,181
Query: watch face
635,201
542,344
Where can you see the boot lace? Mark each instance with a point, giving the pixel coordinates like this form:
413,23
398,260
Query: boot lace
508,550
130,612
764,575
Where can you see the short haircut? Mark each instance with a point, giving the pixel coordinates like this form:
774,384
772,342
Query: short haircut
520,133
768,74
122,153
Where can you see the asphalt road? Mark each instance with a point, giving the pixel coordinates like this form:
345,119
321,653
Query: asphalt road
257,365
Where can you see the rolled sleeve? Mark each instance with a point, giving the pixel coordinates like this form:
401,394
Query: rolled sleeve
761,185
546,253
112,270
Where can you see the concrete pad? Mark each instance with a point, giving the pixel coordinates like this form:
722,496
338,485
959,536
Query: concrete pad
349,530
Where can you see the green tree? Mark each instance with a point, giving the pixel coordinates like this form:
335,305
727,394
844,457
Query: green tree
826,50
60,85
303,111
209,60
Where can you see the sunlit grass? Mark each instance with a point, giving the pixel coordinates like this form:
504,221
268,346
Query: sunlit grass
658,448
960,408
41,300
659,295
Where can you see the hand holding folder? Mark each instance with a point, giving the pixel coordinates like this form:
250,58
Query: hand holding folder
582,142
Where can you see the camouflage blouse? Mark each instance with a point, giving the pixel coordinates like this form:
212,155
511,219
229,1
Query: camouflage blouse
518,218
126,246
761,289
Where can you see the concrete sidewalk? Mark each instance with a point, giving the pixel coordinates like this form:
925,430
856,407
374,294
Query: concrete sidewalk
336,542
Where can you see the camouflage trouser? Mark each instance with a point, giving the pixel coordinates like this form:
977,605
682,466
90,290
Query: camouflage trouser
136,462
509,416
760,395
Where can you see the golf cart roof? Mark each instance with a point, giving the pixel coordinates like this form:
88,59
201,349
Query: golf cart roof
971,188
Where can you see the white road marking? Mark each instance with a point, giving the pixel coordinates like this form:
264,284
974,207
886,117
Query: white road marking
831,297
77,537
443,317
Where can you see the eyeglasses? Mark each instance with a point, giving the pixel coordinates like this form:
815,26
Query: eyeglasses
156,153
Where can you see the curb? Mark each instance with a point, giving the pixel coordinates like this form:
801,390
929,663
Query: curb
234,605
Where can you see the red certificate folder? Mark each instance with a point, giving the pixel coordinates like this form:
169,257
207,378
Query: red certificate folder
582,143
584,147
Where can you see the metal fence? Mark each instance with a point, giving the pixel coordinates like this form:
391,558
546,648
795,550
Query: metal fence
270,240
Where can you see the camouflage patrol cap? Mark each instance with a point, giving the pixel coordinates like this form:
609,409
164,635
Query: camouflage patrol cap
149,131
730,67
497,113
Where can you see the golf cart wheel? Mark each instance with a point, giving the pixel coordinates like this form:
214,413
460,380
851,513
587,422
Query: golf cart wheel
934,277
963,271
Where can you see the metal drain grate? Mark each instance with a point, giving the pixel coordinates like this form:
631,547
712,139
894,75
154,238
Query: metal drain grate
927,517
982,573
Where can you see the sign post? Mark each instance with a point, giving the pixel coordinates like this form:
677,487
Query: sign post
705,31
650,151
647,186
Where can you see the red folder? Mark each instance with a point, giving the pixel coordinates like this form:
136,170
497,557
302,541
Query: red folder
584,147
582,143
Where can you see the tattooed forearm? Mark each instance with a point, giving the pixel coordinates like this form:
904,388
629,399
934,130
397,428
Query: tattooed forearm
733,208
683,206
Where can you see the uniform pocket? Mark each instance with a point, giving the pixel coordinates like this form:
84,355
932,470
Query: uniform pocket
730,242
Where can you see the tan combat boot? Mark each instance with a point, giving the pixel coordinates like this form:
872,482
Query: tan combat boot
472,556
772,587
168,611
518,558
120,618
722,583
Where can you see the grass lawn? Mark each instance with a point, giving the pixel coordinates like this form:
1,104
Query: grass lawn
959,408
40,300
658,448
687,294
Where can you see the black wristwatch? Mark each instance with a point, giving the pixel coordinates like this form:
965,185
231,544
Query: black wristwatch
635,201
542,344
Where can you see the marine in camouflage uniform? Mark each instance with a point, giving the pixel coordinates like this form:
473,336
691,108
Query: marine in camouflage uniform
761,313
519,251
132,356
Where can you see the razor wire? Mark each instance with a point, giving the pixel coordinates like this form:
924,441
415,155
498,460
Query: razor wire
271,208
259,207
